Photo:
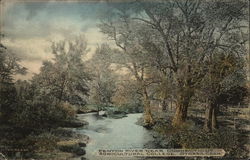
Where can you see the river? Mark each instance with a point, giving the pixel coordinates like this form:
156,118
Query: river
107,133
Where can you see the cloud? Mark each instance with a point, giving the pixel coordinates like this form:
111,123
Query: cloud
33,68
35,49
87,25
30,29
34,9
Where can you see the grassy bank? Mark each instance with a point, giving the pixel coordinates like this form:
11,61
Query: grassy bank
232,135
43,136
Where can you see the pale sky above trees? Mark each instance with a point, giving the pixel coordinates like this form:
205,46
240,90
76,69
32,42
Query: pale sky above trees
30,27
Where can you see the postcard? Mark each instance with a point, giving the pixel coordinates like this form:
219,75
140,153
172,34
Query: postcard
124,80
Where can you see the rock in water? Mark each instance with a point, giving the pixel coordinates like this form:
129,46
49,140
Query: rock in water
102,113
79,151
82,144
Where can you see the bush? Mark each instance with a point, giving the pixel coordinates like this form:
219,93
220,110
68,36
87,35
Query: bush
65,112
45,142
131,108
30,143
41,115
191,137
7,101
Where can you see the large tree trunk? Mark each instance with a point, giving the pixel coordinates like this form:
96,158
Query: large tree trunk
148,120
184,94
211,117
181,111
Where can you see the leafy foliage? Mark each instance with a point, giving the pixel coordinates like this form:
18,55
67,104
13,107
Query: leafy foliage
65,79
103,85
9,66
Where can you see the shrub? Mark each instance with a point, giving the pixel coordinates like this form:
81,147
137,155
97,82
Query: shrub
131,108
39,114
45,142
69,110
192,137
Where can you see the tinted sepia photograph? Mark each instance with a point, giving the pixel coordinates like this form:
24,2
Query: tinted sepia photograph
124,80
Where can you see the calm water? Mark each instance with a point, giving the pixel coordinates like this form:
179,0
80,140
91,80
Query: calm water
106,133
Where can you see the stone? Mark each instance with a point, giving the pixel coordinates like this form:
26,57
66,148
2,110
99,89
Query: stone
72,146
79,151
82,144
102,113
118,112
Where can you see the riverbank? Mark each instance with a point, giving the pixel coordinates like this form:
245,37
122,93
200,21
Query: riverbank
61,141
69,143
57,142
231,136
108,112
115,112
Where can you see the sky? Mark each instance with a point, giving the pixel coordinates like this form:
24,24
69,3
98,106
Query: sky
30,27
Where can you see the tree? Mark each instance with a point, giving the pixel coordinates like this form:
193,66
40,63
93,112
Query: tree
225,74
64,79
9,66
103,85
187,33
163,89
131,54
